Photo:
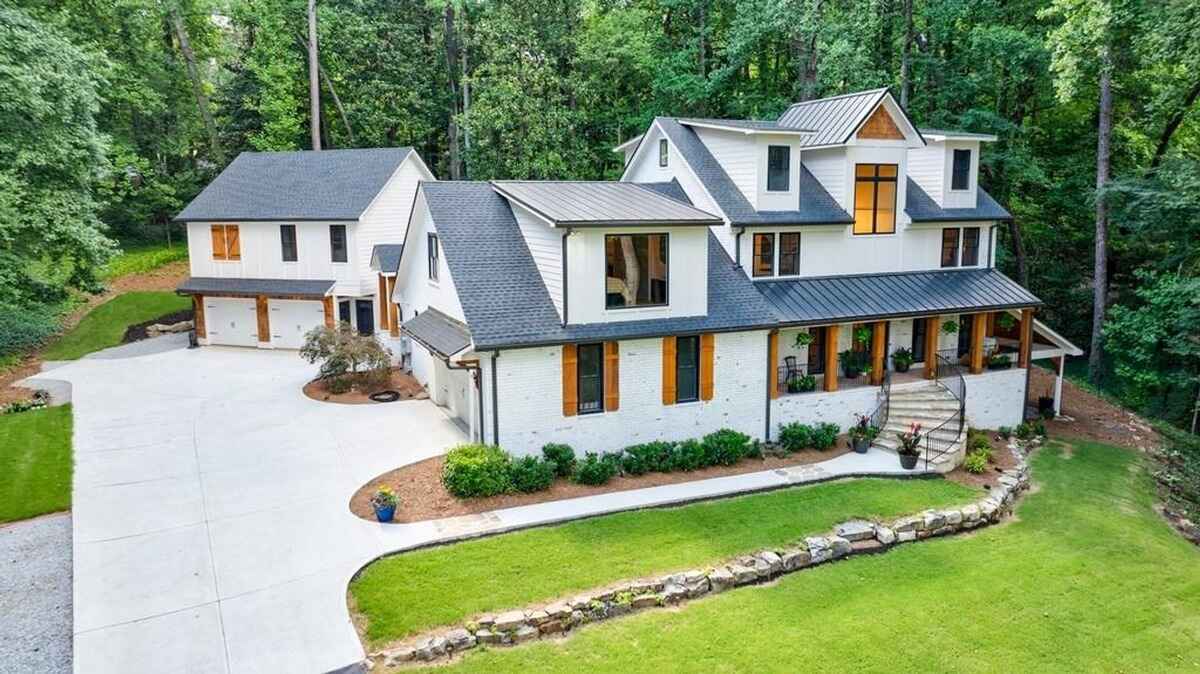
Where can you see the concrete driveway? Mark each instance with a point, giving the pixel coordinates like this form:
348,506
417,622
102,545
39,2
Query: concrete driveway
211,523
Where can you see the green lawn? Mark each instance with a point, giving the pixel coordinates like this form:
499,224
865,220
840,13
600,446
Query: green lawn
1088,578
105,325
143,258
410,592
35,463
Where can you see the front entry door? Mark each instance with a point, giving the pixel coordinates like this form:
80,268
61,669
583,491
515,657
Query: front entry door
364,311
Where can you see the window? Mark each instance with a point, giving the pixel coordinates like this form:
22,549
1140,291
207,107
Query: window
662,152
970,246
764,255
687,369
337,243
431,254
591,378
961,178
950,247
779,160
635,270
875,198
918,339
225,242
789,253
287,242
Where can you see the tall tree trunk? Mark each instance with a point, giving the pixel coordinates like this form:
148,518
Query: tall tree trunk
906,55
452,64
464,41
314,89
1014,231
1100,280
189,57
1164,140
804,46
337,101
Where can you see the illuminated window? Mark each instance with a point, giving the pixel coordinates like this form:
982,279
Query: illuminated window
875,198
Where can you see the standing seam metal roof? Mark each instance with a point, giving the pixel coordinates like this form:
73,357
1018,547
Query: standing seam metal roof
834,118
601,203
438,332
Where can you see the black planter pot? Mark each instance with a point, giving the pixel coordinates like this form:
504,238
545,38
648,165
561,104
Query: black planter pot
860,445
851,373
902,368
909,461
999,366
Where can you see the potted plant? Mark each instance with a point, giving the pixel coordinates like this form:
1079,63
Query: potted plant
950,327
853,363
909,449
1006,321
999,361
862,433
902,359
384,502
803,339
802,384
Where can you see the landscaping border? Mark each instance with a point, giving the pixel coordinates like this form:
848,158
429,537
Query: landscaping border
847,539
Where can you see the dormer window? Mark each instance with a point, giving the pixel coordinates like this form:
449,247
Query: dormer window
961,177
662,152
779,162
635,270
875,198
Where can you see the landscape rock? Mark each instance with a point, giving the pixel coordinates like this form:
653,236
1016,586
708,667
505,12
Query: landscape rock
839,546
644,601
795,558
884,535
673,594
906,536
396,656
953,517
460,639
856,530
819,549
552,627
774,565
933,519
486,636
510,620
524,633
428,649
742,574
970,513
537,617
721,579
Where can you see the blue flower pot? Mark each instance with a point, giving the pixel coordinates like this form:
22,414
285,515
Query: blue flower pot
385,513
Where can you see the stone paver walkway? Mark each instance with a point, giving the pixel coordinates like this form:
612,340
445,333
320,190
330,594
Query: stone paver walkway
212,531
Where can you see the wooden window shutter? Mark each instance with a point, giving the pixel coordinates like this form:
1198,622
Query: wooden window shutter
570,383
612,379
707,346
218,242
668,372
772,360
232,244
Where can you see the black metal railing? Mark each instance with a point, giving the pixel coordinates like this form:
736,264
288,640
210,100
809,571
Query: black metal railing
879,417
797,379
934,442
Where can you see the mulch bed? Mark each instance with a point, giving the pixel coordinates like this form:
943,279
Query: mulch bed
137,332
422,496
1002,460
1093,418
399,381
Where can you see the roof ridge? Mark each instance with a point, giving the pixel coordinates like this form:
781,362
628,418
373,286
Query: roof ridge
834,98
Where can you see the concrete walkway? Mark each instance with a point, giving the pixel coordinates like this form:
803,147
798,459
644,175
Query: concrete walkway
211,524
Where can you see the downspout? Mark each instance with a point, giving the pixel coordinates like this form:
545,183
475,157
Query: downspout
770,366
495,404
566,296
737,248
992,246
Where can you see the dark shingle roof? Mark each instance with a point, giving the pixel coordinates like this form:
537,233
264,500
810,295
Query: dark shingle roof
505,302
670,189
437,332
385,257
815,206
831,299
250,287
325,185
922,208
598,203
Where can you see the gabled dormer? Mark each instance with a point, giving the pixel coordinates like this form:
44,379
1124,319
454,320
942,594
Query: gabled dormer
947,168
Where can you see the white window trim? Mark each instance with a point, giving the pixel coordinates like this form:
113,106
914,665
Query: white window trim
767,175
982,260
970,162
775,234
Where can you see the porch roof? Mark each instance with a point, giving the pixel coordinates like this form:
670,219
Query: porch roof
437,332
253,287
840,299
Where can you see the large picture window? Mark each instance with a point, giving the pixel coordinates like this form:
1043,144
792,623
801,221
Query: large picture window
337,243
635,270
591,378
950,247
960,179
779,160
875,198
687,369
789,253
764,254
287,242
970,246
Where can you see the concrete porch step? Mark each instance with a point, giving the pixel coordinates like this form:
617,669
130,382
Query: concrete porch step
924,415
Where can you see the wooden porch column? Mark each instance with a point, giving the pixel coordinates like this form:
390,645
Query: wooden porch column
831,357
264,319
393,321
932,328
773,363
327,303
382,296
1026,348
198,317
878,352
979,324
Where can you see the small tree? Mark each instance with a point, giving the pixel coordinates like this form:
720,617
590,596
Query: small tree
345,355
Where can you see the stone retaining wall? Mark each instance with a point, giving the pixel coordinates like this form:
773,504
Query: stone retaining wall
847,539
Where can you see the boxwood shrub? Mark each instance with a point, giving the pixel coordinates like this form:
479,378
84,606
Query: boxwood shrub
726,447
474,470
596,469
529,474
649,457
797,436
562,456
688,455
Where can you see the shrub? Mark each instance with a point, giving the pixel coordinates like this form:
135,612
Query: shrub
977,441
795,436
342,351
562,456
1030,429
824,436
23,328
1005,432
688,455
725,447
976,462
647,457
594,470
475,470
530,473
339,384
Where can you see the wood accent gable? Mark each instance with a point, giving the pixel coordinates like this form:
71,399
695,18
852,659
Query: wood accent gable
831,357
773,363
878,352
707,351
570,380
382,299
1025,350
979,323
393,318
198,317
668,371
327,305
612,377
264,319
933,328
880,126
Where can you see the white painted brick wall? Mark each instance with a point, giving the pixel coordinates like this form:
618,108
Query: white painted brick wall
995,398
838,407
530,396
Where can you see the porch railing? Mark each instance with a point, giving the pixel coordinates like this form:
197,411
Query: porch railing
934,442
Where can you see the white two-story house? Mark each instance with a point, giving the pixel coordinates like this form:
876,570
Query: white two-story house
743,274
281,242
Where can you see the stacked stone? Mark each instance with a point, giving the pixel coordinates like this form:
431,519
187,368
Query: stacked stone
849,538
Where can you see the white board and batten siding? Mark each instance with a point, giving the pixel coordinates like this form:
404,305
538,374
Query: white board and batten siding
385,219
737,153
262,253
545,246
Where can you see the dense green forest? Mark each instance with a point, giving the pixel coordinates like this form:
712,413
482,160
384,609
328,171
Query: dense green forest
115,113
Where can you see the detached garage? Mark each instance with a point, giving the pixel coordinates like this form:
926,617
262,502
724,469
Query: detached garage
268,313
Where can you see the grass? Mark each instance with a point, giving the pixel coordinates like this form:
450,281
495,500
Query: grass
105,325
143,258
35,463
1088,578
414,591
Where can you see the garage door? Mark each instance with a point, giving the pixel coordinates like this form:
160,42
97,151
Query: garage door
231,321
292,319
